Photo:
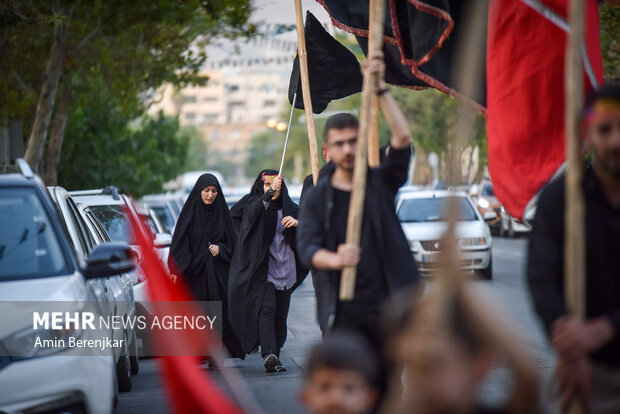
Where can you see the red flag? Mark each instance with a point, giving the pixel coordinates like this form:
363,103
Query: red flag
190,389
525,93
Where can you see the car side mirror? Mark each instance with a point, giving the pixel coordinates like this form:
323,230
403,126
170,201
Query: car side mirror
490,216
162,240
110,259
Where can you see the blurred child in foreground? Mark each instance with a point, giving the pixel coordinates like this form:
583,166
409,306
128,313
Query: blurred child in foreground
341,374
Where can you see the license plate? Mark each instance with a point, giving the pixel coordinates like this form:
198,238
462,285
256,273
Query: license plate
430,258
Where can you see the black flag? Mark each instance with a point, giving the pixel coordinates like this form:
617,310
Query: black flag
333,71
420,38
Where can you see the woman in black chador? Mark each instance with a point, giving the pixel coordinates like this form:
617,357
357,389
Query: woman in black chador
202,247
264,269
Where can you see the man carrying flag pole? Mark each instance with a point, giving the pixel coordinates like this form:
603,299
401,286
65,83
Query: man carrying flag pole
384,262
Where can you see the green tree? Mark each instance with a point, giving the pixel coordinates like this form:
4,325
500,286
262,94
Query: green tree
137,159
197,155
610,41
133,46
431,115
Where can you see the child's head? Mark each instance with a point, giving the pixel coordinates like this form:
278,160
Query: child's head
340,374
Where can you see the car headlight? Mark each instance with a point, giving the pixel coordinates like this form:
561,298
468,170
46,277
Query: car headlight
475,241
483,203
30,343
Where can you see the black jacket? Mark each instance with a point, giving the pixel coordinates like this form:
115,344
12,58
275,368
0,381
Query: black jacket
380,227
546,259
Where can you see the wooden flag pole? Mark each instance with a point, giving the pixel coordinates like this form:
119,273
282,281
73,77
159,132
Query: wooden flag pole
305,88
374,158
467,73
574,240
356,207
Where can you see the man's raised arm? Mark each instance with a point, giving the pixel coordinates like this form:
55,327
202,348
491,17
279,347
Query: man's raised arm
401,137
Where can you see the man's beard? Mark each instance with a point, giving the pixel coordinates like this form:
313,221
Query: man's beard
609,165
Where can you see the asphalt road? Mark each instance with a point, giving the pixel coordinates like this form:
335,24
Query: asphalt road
277,393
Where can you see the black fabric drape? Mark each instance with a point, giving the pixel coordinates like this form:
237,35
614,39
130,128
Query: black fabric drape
249,266
421,38
198,226
333,70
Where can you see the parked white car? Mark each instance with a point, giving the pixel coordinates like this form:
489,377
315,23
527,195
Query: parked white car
422,216
110,208
166,210
38,265
84,235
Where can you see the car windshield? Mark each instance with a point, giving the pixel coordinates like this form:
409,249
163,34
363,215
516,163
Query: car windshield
487,190
165,217
422,210
29,247
114,221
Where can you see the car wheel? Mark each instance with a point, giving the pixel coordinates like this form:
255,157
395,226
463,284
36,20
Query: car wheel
511,229
133,358
487,272
123,370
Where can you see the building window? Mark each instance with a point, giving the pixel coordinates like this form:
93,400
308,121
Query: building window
209,99
235,134
189,98
190,116
204,119
269,103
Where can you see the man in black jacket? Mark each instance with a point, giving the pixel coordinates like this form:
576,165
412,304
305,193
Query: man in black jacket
589,350
384,262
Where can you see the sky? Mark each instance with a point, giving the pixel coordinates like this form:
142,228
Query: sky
283,11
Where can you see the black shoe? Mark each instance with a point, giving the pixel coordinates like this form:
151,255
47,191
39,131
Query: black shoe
281,367
271,362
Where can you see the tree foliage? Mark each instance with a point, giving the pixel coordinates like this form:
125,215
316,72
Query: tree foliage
117,52
198,149
610,41
103,148
430,113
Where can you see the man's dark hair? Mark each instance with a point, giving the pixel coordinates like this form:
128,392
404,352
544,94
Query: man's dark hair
340,121
346,351
606,92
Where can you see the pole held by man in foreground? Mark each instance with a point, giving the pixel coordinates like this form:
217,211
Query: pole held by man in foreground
373,135
574,247
356,208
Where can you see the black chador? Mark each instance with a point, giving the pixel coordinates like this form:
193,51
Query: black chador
201,225
248,285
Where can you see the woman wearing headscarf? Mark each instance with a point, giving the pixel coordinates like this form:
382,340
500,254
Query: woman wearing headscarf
264,269
202,247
